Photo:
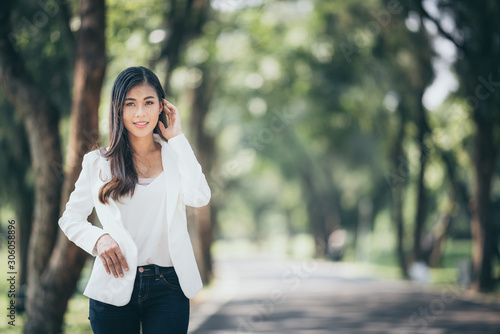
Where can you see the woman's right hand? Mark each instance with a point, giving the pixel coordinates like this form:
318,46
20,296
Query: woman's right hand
111,256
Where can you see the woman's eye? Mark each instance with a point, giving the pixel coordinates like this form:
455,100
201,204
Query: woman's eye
130,104
149,102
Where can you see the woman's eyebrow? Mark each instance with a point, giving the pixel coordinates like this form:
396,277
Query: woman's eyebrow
132,99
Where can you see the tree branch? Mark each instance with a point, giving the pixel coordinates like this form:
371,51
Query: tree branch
446,34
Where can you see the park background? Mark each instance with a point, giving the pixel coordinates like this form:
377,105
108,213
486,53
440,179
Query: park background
360,132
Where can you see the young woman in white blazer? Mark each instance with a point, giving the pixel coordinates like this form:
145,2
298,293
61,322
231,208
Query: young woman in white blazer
139,185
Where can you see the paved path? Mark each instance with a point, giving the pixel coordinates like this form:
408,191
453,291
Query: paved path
266,296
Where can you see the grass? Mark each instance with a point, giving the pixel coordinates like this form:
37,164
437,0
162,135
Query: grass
76,317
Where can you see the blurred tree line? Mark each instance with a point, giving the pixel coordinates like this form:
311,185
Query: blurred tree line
307,116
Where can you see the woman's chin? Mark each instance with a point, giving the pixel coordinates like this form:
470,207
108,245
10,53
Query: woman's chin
146,132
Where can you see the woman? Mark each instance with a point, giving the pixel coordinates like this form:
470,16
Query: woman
139,185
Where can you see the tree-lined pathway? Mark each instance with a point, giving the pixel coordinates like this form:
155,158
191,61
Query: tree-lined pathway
268,296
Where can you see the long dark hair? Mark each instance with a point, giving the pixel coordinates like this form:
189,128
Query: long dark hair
123,173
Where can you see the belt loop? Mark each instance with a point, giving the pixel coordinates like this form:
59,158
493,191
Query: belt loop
157,272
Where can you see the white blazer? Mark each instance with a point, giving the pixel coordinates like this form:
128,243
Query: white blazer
186,185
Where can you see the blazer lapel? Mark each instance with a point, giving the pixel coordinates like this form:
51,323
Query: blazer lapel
172,182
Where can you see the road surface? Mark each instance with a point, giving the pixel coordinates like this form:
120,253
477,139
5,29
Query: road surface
316,297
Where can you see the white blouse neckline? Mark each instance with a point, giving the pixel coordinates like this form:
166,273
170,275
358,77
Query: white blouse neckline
146,181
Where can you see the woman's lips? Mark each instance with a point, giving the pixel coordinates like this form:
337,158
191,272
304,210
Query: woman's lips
141,125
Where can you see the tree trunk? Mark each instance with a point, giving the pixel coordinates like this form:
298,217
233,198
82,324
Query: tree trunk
200,229
482,226
24,212
397,185
19,193
398,218
183,22
441,230
201,98
318,192
478,68
459,187
52,292
55,288
320,208
421,195
40,119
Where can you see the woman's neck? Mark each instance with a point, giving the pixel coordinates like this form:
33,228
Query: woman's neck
143,146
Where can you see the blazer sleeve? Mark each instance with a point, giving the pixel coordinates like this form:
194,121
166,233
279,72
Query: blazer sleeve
74,221
194,185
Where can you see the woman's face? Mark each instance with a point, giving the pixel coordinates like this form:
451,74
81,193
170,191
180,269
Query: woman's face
141,110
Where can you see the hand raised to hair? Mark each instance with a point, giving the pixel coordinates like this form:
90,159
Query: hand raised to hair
174,121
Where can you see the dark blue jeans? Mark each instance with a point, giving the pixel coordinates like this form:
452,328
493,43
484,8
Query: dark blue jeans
157,303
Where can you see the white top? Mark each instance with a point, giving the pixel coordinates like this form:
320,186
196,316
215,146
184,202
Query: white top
144,216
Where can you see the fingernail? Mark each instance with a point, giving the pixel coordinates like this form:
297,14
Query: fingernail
116,276
121,275
126,269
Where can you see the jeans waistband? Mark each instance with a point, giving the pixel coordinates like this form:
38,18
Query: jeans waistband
153,270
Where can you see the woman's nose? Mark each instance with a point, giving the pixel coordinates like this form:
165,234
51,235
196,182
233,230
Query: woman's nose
140,111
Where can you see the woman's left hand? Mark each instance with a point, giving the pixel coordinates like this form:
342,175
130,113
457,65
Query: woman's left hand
174,121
